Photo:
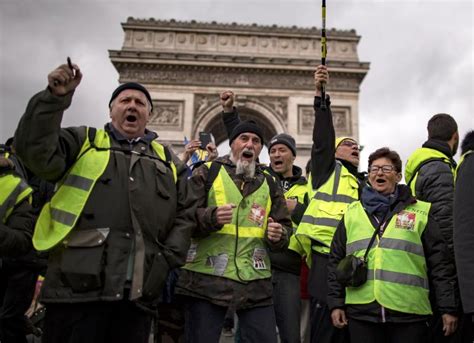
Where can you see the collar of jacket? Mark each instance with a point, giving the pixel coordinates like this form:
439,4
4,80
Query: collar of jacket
441,146
116,135
361,176
296,179
404,199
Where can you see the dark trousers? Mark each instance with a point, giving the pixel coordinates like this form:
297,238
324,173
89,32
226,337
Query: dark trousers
368,332
96,322
17,286
322,330
463,332
287,304
204,322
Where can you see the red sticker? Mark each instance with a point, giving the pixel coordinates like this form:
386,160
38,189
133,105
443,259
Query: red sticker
257,215
406,220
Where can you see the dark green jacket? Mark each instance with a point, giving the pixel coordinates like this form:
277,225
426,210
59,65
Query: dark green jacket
133,198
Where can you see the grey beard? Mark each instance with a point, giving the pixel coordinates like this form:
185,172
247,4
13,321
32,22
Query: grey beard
246,168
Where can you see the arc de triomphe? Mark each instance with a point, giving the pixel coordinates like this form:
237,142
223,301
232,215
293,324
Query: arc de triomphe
185,65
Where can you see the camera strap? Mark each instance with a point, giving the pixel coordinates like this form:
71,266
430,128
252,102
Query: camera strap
377,230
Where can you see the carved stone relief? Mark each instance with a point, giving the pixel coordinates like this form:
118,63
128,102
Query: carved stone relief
340,116
167,114
207,102
238,77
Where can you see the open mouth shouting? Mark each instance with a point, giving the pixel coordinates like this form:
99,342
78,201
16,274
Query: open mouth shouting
277,163
131,118
380,181
247,155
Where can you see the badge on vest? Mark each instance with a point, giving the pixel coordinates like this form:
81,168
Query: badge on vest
191,253
405,220
257,215
219,263
259,258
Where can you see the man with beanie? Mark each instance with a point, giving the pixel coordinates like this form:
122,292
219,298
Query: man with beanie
110,248
241,215
336,183
286,265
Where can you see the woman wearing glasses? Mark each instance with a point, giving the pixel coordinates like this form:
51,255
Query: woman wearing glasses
407,260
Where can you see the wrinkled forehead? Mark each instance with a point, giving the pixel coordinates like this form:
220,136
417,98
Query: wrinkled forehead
249,135
132,93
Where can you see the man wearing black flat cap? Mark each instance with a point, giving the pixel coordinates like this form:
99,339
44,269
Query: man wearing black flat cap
241,216
121,217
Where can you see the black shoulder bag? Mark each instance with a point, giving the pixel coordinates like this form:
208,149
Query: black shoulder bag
351,271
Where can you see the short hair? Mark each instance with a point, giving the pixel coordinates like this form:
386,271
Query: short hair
441,126
392,155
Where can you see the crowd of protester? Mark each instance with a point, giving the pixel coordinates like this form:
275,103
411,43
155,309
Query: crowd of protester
109,236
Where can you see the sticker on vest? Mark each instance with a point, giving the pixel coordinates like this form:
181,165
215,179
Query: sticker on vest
219,263
191,253
259,258
257,215
405,220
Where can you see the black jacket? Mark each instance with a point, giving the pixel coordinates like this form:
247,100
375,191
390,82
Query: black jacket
464,225
435,184
441,271
17,228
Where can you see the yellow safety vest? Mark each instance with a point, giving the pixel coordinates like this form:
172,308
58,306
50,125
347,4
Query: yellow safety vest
417,159
13,190
237,251
397,273
325,211
59,216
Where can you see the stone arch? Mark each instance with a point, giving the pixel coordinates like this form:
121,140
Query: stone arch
211,121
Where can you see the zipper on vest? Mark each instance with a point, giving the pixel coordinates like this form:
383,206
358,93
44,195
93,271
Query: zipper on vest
382,312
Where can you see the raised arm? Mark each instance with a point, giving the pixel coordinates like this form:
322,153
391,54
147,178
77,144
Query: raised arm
45,149
230,116
323,149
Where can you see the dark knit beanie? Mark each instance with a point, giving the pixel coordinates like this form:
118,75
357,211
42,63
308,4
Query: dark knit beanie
285,139
246,126
131,85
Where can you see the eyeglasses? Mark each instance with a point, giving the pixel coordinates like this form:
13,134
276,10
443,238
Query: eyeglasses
350,144
386,169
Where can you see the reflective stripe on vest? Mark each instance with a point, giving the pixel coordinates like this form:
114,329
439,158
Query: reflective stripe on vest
237,251
13,191
416,159
59,216
326,209
397,278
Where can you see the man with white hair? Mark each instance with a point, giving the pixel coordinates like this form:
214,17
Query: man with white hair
241,215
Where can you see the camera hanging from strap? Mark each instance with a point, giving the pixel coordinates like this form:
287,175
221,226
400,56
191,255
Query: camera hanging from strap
351,271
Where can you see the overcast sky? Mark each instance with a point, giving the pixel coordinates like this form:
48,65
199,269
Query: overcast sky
421,55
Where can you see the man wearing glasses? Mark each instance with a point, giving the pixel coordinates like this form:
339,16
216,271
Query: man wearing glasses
336,181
